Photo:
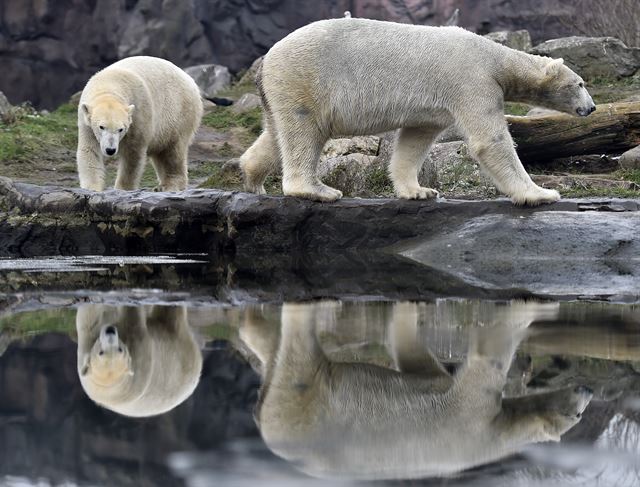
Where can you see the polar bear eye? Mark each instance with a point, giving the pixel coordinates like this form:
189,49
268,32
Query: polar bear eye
120,349
120,130
101,352
101,127
581,84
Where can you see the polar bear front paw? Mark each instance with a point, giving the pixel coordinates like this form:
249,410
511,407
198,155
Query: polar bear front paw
418,193
535,195
316,192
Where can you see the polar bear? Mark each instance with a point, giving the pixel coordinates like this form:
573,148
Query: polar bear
137,361
137,107
346,77
364,421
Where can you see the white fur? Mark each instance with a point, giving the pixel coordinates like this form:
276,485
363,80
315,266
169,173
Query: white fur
349,419
346,77
138,107
156,363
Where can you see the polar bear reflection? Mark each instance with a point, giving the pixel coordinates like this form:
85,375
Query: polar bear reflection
137,361
364,421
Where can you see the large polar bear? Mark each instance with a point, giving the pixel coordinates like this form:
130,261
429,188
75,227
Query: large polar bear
355,77
357,420
140,106
137,361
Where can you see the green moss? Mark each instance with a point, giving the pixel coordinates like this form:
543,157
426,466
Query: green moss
31,136
379,182
237,90
224,119
511,108
34,322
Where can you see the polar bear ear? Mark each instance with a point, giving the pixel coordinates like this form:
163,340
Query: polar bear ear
553,68
130,109
86,111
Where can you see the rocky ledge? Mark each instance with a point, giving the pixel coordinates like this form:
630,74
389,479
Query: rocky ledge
387,247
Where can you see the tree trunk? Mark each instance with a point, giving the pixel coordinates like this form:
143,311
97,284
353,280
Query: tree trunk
612,128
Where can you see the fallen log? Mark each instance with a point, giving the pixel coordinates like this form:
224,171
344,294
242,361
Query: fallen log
612,128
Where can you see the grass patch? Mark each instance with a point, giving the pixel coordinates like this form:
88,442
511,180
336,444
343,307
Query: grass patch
520,109
225,119
35,322
31,136
379,183
237,90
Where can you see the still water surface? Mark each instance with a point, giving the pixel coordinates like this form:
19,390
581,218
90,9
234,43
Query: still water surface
448,392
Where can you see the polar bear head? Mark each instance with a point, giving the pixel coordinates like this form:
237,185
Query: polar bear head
109,120
109,361
564,90
137,361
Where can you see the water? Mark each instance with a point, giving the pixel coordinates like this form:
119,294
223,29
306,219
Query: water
326,392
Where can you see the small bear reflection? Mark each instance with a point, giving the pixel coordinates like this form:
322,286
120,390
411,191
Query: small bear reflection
137,361
355,420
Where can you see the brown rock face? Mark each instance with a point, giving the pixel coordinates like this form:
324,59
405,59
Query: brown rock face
48,49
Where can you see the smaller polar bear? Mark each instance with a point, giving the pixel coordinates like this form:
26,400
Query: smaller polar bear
137,361
347,77
140,106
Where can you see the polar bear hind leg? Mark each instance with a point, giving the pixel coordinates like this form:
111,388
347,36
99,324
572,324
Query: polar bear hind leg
260,160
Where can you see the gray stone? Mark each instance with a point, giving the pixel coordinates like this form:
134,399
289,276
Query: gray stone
630,159
210,78
587,253
249,76
593,57
518,39
247,102
349,173
208,106
74,100
6,110
368,144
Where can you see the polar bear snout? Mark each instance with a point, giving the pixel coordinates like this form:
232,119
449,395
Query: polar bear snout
109,143
585,111
109,340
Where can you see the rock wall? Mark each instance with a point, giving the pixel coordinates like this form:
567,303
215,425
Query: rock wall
48,49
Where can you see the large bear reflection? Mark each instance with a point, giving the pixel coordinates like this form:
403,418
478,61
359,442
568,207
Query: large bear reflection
365,421
137,361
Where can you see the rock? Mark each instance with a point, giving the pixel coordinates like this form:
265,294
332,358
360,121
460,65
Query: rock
630,159
50,50
352,174
74,100
368,144
210,78
208,106
488,249
593,57
547,252
519,39
247,102
249,77
6,110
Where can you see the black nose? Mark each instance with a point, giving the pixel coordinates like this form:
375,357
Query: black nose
593,109
110,152
110,330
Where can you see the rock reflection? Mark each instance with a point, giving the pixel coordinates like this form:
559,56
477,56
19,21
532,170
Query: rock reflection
137,361
415,418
